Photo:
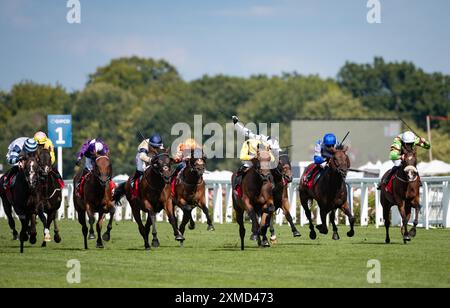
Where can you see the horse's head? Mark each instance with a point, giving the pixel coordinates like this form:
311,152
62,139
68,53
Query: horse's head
284,168
44,160
262,164
103,170
340,161
409,164
197,162
161,164
31,168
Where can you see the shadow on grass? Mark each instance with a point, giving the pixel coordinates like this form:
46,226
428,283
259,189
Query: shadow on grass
377,243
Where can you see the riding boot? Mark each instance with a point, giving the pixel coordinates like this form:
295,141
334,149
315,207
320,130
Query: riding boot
309,175
9,175
239,175
388,177
137,175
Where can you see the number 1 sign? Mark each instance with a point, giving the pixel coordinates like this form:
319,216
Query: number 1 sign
60,130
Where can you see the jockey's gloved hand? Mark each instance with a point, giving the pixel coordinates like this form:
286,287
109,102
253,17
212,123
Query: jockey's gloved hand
235,119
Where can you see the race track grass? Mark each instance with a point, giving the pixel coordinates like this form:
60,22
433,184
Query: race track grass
213,259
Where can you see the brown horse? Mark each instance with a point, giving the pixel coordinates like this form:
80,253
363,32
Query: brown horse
282,176
96,196
154,194
330,193
51,195
257,198
189,190
404,194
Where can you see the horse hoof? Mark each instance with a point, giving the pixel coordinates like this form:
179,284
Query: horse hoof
296,234
313,235
15,237
106,237
253,237
100,246
351,233
182,243
191,227
57,238
211,228
91,236
407,238
44,244
388,241
265,243
47,238
33,240
155,243
412,232
336,237
179,238
147,248
323,230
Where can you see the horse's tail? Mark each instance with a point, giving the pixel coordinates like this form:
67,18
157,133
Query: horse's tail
119,192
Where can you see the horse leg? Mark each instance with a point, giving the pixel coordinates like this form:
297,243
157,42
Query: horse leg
304,200
323,228
107,235
47,223
255,226
265,222
12,224
288,216
84,228
101,218
23,237
91,227
413,230
333,223
155,241
387,221
205,211
273,236
240,221
33,232
346,209
168,207
405,218
57,237
186,218
138,219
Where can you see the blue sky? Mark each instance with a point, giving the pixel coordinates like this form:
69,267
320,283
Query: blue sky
232,37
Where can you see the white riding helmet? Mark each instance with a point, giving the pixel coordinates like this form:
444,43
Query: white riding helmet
98,147
408,137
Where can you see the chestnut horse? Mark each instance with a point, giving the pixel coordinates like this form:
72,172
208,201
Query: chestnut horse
330,193
96,197
404,194
257,198
154,194
50,195
189,190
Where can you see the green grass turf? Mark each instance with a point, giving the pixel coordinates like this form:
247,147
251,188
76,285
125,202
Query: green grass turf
213,259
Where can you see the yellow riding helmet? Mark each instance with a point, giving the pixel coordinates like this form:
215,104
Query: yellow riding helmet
40,137
190,144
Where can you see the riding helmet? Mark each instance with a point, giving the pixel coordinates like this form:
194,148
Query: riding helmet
156,141
329,139
30,145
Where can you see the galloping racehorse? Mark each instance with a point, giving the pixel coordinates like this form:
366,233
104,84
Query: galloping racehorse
153,194
256,199
189,190
50,195
402,190
94,196
282,176
330,193
22,196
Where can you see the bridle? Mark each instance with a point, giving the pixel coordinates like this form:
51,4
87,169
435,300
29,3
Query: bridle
96,172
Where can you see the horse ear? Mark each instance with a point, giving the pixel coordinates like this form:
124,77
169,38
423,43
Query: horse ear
345,148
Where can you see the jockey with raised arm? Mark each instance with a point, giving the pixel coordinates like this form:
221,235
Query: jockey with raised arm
407,140
322,153
147,149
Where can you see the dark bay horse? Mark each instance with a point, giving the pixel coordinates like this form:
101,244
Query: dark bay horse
257,198
23,198
154,194
50,195
95,197
189,190
330,193
404,194
282,176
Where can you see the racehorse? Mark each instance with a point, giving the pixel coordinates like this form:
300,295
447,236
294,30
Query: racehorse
282,176
330,193
153,195
402,190
257,198
23,198
189,190
50,195
94,196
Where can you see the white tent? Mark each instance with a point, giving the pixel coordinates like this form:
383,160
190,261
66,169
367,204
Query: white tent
434,167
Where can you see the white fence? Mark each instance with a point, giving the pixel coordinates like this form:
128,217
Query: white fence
435,201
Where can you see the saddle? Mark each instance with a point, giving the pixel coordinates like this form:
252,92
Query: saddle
175,178
79,189
312,175
390,182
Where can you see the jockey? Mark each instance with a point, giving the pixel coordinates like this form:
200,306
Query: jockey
408,140
91,149
272,142
147,149
322,153
17,150
42,139
183,154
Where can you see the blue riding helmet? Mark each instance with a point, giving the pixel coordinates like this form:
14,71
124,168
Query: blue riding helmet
156,141
329,140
